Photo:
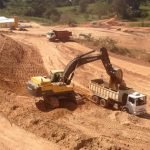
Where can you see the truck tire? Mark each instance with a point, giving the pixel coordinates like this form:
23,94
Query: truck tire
96,99
125,109
110,104
103,103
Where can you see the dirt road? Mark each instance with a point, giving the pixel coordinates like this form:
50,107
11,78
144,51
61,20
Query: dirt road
84,127
128,37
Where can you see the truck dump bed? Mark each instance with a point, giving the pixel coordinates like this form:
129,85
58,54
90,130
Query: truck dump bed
100,88
62,34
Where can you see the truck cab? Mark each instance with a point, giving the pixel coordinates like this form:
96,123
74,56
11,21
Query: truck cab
136,103
51,35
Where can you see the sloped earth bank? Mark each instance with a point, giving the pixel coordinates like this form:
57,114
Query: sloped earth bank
14,138
88,126
18,62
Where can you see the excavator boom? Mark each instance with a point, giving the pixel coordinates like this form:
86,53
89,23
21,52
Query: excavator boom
115,74
77,62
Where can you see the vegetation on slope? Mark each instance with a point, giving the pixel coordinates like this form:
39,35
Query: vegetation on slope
66,11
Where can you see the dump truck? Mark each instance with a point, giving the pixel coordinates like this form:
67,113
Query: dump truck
55,35
126,99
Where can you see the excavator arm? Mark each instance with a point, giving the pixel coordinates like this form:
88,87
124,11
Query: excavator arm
115,74
76,62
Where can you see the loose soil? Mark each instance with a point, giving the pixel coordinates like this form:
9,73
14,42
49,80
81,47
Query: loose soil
88,126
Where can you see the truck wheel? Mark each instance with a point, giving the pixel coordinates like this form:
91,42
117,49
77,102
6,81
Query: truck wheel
125,109
103,103
96,99
110,104
78,99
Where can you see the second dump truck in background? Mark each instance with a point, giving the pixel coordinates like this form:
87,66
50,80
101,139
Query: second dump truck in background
63,35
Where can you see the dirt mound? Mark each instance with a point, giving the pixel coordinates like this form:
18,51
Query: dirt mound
13,134
107,23
113,22
18,62
124,118
59,126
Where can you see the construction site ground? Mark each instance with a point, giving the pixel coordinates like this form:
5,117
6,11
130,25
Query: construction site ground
25,122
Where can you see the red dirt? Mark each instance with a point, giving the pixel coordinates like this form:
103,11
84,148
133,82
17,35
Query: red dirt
18,62
83,127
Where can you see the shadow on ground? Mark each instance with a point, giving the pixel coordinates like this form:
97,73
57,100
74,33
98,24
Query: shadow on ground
44,107
145,116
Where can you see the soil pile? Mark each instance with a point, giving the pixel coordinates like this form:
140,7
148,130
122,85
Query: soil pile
18,62
84,126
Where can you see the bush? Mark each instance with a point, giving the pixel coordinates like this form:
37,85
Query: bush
67,19
127,9
83,6
100,9
52,14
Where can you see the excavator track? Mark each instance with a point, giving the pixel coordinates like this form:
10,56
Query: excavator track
52,101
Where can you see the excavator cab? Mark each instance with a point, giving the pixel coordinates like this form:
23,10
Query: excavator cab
55,75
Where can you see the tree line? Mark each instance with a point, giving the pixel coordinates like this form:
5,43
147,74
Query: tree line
48,8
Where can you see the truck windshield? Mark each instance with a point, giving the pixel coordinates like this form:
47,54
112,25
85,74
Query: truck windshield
50,33
132,100
140,101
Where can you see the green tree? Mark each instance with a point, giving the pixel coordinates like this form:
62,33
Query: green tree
83,6
3,3
52,13
120,7
32,7
127,8
16,7
101,9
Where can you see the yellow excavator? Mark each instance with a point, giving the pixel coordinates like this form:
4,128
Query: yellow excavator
57,85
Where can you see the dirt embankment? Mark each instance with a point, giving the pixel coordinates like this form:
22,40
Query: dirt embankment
18,62
20,139
83,127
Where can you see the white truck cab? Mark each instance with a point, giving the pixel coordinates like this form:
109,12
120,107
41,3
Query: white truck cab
50,35
136,103
127,100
